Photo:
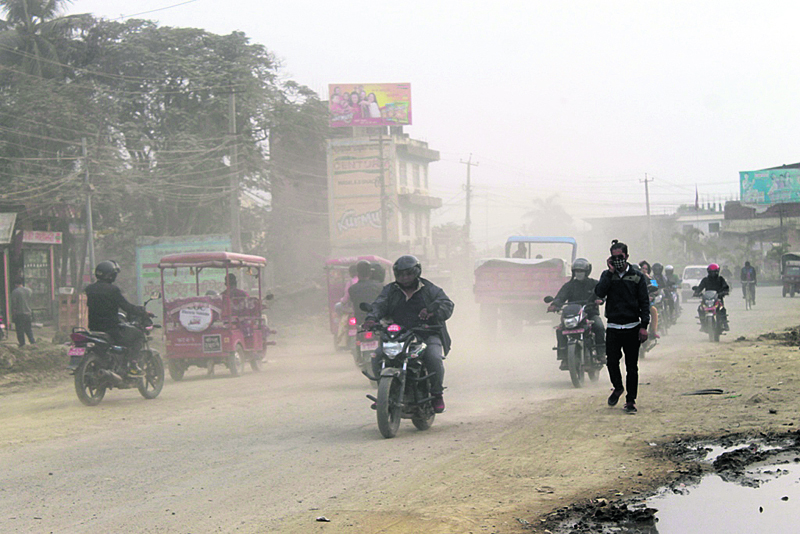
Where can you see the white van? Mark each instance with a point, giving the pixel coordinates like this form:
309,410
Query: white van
692,275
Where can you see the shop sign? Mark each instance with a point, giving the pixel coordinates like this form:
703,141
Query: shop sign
41,238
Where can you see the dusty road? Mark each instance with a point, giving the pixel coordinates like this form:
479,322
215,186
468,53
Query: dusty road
271,452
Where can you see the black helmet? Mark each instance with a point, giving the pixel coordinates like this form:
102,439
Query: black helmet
106,270
378,273
362,269
582,264
658,268
407,263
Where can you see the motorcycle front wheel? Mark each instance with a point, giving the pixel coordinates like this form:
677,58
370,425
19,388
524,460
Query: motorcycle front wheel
575,365
87,381
151,384
389,395
713,335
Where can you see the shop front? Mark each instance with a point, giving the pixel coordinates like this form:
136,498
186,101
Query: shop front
7,221
38,271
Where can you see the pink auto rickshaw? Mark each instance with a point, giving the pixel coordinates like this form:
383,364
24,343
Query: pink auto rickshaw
214,311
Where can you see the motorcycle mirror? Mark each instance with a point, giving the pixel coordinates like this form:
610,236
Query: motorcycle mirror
548,299
694,288
269,296
155,295
365,307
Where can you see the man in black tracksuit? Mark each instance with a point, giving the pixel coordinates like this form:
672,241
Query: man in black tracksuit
628,315
412,301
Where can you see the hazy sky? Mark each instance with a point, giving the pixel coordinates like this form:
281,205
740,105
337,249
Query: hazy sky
579,98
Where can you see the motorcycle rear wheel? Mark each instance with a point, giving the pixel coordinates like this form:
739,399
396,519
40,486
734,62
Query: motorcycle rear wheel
86,380
151,384
575,365
388,406
425,421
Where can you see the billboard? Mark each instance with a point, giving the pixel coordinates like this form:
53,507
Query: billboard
370,104
354,189
770,186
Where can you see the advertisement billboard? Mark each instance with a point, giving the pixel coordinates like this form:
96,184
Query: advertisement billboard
771,186
370,104
354,188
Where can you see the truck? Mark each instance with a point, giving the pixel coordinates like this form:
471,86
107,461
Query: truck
511,290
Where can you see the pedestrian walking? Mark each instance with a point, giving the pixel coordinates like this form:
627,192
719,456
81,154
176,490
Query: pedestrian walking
628,315
21,312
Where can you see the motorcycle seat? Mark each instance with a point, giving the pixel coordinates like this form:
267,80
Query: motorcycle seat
101,335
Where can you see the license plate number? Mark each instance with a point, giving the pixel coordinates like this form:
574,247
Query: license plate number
369,346
76,351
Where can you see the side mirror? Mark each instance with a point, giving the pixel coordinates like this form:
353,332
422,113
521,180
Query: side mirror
155,295
269,296
548,299
365,307
694,288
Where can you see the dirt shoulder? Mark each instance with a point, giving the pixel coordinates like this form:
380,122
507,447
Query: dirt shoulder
577,448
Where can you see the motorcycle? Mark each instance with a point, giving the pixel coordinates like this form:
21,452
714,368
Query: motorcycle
581,355
404,383
98,364
2,329
711,321
655,318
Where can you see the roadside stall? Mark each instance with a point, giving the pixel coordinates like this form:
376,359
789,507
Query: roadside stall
7,221
38,270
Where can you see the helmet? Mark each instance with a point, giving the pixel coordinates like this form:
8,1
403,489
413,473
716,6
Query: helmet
106,270
582,264
406,263
669,268
658,268
713,270
378,273
362,269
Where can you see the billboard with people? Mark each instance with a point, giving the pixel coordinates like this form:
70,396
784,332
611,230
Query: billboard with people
770,186
370,104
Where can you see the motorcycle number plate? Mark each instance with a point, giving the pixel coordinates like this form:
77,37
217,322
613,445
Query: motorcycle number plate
352,332
76,351
579,331
369,346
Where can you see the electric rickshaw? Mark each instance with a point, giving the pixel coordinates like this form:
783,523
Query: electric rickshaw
209,316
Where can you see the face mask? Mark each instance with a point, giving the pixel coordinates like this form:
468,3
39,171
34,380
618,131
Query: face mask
619,263
580,275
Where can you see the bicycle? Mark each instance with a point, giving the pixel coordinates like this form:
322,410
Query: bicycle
749,299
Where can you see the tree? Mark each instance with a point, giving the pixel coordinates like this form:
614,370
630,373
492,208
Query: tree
548,217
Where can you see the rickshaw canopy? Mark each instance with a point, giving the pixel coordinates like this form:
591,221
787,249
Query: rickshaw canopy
211,259
346,262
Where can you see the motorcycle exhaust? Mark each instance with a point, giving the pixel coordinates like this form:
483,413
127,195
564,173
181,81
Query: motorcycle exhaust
115,378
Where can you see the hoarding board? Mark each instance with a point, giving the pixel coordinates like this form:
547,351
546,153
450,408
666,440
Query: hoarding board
354,189
150,250
773,186
370,104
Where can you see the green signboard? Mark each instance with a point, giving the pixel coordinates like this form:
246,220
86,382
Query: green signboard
772,186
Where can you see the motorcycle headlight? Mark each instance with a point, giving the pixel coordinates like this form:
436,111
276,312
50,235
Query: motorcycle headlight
392,348
571,322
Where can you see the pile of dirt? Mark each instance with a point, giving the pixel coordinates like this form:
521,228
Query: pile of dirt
40,362
790,336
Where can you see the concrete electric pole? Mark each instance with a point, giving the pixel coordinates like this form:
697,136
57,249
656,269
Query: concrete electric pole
649,222
236,231
468,189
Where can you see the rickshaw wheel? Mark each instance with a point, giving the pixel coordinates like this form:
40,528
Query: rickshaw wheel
236,361
176,369
257,363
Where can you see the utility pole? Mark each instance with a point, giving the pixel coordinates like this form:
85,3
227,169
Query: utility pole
89,226
384,215
468,189
236,231
649,222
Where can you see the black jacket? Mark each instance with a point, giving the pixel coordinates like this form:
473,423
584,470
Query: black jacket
717,284
578,290
434,298
627,300
104,301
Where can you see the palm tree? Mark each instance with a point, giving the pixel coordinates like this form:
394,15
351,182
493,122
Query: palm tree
34,38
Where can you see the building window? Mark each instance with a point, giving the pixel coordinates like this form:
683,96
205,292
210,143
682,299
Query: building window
406,223
403,174
416,176
713,228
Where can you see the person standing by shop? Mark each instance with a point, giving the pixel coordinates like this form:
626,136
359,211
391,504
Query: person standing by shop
21,312
628,315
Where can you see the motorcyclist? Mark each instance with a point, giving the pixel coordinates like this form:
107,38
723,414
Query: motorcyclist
365,290
104,301
652,287
580,289
412,301
663,284
713,282
673,284
748,274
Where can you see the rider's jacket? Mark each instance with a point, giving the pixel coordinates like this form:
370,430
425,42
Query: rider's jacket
717,284
104,301
673,281
748,273
578,290
363,291
392,302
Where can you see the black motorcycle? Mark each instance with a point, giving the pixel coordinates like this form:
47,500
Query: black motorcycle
99,365
581,355
404,383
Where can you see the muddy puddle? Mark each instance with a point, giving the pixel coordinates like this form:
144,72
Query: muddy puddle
732,485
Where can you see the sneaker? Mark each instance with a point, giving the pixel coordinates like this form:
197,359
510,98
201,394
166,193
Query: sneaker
374,406
614,397
726,327
629,407
563,366
134,371
438,404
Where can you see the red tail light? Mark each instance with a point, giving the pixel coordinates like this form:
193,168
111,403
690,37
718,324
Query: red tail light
352,321
394,328
77,337
367,335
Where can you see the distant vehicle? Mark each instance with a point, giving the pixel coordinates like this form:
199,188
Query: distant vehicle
790,273
510,289
692,275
